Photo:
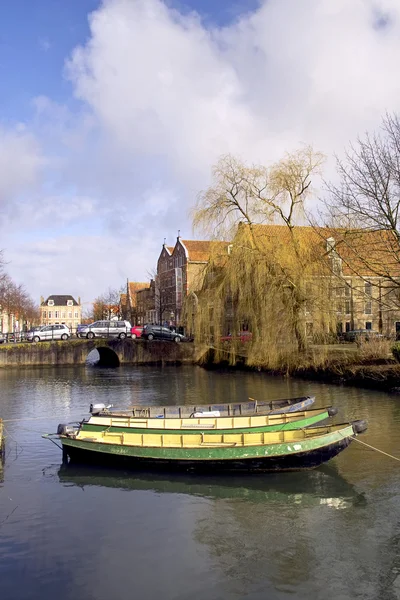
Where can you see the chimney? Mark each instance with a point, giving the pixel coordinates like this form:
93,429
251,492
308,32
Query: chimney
79,300
41,300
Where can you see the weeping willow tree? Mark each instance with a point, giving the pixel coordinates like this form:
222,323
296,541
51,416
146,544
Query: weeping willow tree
274,276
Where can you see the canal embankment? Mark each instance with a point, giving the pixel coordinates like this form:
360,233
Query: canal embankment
371,366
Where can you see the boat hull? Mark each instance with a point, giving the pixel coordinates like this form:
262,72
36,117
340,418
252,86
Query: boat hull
296,462
288,456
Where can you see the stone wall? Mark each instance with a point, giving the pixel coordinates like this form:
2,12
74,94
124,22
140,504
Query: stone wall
75,352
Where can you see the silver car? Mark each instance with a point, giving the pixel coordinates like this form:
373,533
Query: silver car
49,332
119,329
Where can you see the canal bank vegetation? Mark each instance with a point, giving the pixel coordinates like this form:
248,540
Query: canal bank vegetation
271,277
284,289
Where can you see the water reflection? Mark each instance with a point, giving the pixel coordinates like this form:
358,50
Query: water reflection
97,534
324,486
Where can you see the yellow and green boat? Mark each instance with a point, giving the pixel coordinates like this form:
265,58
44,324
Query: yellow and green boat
233,452
214,425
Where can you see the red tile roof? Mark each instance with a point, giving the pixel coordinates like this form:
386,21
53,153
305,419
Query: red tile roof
365,253
200,251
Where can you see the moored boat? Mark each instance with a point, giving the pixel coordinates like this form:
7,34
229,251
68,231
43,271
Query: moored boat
234,452
229,409
211,424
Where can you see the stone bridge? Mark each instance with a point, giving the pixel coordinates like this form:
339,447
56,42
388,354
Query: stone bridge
113,352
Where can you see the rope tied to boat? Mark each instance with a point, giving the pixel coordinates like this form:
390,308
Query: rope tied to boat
376,449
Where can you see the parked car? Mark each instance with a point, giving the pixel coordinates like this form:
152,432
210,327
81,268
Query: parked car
25,335
119,329
79,328
158,332
242,336
136,331
49,332
358,335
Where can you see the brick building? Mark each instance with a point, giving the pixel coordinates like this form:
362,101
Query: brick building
180,271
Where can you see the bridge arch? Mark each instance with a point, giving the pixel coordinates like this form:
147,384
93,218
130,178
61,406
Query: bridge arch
107,357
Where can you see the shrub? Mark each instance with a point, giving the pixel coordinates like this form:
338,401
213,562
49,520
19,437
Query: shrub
396,351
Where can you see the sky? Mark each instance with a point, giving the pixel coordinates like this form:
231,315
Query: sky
113,113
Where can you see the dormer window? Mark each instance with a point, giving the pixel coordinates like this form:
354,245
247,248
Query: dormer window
69,303
50,303
330,244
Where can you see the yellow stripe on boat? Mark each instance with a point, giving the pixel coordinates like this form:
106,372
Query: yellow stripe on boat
201,440
205,422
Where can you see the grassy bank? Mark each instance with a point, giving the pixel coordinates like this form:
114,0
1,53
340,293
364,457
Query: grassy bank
370,365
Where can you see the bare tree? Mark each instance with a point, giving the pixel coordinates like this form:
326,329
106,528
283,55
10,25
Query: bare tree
107,305
365,205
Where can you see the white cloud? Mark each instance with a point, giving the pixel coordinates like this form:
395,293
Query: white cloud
162,97
80,265
21,162
165,88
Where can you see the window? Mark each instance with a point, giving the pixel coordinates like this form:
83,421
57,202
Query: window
69,303
368,288
45,314
339,308
50,303
70,315
309,329
368,325
368,308
63,315
76,315
50,314
348,326
57,314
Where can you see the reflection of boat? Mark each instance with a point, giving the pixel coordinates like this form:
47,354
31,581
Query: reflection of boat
324,486
267,451
209,424
227,409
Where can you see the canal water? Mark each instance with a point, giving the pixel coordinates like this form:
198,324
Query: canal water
68,533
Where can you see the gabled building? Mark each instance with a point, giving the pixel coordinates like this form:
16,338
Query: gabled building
132,288
180,272
145,304
60,309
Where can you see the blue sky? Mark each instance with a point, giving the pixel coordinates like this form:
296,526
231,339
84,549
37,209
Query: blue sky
109,129
38,35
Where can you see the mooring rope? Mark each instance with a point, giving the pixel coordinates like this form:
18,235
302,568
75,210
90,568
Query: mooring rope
376,449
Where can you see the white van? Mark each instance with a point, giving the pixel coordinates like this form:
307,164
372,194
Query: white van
118,329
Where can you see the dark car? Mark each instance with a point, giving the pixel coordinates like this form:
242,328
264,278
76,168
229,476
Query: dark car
158,332
358,335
